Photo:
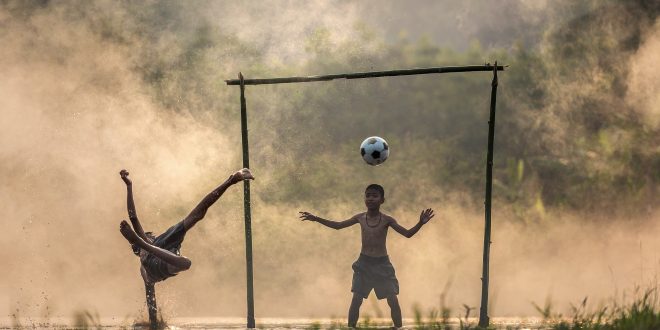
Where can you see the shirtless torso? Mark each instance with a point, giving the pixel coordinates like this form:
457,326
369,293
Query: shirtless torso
374,233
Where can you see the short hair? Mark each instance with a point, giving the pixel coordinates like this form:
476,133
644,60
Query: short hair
377,188
136,249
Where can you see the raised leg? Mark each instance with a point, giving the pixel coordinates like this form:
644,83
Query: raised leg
395,308
199,211
179,263
354,310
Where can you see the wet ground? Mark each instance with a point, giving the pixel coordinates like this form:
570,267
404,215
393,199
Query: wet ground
240,323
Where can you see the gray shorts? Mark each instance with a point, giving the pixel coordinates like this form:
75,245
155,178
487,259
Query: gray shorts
375,273
170,240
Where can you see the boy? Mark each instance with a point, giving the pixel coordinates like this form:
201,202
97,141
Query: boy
373,269
160,257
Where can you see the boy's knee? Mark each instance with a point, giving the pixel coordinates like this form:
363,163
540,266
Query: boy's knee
357,300
393,301
186,264
183,265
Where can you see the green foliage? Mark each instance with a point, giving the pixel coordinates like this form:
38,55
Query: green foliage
565,136
642,313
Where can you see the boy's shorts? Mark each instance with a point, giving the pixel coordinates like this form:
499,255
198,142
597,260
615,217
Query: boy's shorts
170,240
374,273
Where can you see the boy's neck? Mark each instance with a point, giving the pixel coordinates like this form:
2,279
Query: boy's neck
373,212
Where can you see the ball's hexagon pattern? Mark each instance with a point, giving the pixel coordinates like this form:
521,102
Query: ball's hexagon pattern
374,150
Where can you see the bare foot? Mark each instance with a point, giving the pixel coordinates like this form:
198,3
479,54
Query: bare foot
243,174
129,234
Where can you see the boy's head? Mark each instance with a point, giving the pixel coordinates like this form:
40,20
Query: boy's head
374,196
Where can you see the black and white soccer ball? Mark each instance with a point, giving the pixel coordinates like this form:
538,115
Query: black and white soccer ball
374,150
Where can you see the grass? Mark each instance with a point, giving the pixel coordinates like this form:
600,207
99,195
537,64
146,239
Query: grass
434,319
642,313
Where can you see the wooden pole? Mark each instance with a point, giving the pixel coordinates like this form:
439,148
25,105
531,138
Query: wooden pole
151,305
370,74
246,207
483,315
483,312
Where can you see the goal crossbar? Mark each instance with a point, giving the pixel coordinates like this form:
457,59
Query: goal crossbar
369,74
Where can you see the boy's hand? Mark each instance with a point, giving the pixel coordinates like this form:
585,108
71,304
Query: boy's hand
307,216
124,176
426,216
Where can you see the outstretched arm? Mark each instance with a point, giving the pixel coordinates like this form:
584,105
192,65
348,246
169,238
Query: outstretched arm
328,223
424,217
130,205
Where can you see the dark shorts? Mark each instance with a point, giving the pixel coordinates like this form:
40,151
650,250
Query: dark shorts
170,240
375,273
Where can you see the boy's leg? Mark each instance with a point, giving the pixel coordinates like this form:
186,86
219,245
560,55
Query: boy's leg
178,262
199,211
393,302
354,310
151,304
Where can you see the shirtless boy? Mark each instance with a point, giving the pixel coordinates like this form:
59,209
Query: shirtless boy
160,257
373,269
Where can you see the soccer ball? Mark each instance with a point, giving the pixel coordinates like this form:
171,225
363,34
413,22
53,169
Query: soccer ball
374,150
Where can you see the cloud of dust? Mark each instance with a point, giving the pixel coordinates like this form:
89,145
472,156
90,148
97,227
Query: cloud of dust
73,114
644,88
75,111
281,27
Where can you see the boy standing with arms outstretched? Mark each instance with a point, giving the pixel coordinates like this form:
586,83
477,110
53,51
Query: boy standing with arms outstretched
373,269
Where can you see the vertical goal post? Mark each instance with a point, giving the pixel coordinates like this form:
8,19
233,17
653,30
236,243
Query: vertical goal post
242,82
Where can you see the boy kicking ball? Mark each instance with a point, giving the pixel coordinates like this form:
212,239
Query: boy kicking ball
160,257
373,269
